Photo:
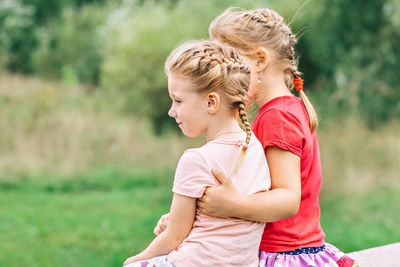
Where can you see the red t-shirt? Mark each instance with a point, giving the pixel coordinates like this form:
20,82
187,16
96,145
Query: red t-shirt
284,122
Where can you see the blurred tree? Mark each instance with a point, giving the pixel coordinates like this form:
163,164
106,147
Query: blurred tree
20,21
45,10
17,37
140,37
355,50
349,49
72,45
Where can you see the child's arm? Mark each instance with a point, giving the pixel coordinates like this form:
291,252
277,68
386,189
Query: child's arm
182,214
281,202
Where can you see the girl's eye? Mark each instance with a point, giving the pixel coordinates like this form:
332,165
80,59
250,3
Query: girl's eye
177,101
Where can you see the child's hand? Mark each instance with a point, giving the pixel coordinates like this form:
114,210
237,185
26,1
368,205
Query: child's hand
216,201
162,224
130,260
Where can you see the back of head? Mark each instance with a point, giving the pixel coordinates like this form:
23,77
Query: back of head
247,30
211,66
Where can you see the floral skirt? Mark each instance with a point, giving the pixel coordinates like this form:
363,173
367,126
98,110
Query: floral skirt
160,261
325,256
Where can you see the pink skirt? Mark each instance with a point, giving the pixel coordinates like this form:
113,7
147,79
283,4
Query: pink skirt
326,256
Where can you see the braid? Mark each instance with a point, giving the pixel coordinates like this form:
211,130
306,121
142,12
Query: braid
247,30
213,67
227,62
294,71
309,107
269,20
245,122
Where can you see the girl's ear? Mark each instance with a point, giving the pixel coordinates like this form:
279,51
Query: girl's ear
213,102
262,58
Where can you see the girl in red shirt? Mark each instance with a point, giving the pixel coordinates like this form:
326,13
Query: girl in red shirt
285,125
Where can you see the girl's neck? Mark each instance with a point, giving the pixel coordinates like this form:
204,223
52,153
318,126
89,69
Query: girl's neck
221,127
273,85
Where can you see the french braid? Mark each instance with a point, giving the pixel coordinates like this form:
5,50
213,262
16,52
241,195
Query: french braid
245,122
247,30
213,67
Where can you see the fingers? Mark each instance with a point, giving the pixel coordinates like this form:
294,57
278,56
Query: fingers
220,176
201,201
161,224
157,230
128,261
164,221
200,204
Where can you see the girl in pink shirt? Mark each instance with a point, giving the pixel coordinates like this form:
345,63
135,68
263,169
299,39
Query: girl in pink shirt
285,125
207,83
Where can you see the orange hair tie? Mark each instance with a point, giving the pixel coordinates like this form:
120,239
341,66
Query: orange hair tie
298,83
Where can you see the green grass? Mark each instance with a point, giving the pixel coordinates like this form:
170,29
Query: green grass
106,178
101,222
359,221
83,226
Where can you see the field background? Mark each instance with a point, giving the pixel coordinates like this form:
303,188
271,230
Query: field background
87,153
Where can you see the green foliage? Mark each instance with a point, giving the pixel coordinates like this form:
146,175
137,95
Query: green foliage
70,48
21,22
355,56
140,37
44,10
17,36
349,50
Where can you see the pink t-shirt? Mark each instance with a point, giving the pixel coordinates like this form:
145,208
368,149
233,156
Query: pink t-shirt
216,241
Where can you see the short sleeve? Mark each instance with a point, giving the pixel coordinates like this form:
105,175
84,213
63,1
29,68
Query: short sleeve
192,175
282,129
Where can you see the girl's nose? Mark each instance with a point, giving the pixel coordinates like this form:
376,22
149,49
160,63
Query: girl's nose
171,113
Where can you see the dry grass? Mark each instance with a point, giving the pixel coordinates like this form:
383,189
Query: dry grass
357,159
51,128
48,127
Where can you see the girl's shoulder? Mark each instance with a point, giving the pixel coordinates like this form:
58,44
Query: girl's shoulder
192,154
196,156
281,122
287,104
287,111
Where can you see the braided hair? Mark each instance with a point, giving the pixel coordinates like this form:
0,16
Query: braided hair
247,30
213,67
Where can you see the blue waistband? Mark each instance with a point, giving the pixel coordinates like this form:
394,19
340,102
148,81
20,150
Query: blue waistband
304,251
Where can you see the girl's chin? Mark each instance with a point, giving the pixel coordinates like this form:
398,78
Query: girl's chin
190,134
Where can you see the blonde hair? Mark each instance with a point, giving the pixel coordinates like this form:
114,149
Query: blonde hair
211,66
247,30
